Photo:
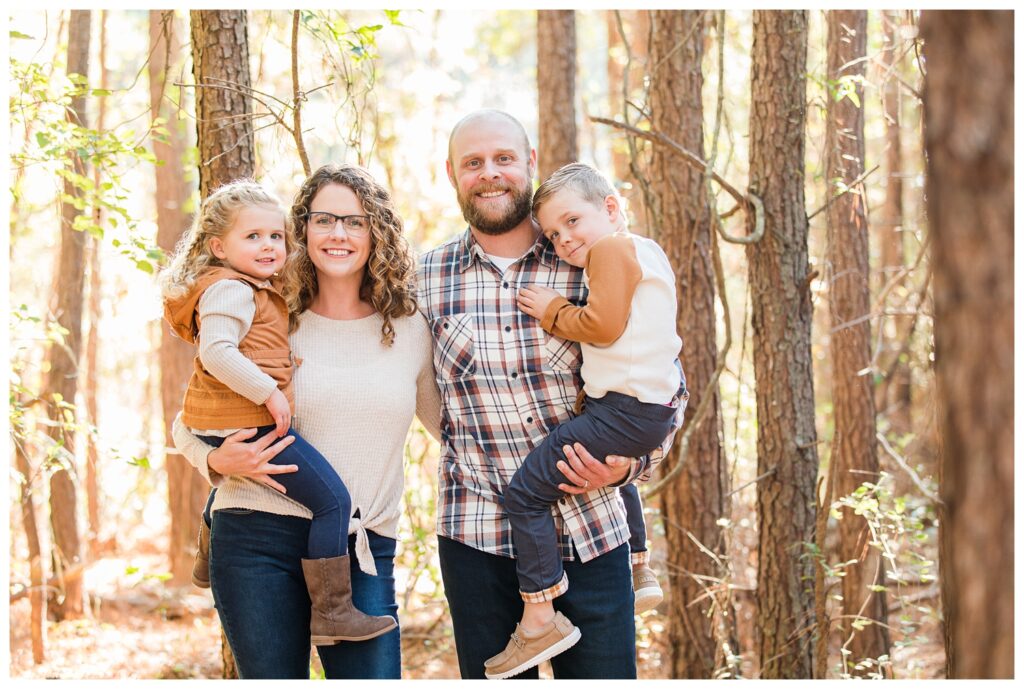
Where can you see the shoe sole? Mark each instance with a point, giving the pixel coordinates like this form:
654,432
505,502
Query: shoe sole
549,652
332,640
647,599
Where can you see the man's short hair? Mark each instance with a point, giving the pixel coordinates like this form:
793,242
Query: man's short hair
585,180
483,113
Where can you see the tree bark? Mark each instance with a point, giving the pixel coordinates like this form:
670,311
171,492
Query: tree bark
894,395
62,379
186,488
37,575
220,66
968,108
556,89
781,323
854,451
227,149
694,503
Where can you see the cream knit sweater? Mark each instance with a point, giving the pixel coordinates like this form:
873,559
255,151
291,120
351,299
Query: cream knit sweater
354,402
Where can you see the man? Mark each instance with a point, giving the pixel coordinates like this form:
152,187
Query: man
505,385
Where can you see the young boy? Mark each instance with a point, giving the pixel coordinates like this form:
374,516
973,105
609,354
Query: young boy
633,388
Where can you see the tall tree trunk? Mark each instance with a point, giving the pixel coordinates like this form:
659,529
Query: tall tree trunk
227,149
787,454
556,89
92,489
893,396
220,66
626,72
968,106
185,487
62,379
693,504
37,571
854,451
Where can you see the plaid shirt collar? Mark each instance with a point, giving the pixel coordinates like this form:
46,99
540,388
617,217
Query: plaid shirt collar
469,249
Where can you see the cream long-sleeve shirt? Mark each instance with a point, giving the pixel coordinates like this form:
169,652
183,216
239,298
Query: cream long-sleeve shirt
354,402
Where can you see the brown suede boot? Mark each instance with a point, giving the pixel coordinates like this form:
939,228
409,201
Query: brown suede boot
334,617
201,566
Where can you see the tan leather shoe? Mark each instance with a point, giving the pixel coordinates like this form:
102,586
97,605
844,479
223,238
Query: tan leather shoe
528,649
647,592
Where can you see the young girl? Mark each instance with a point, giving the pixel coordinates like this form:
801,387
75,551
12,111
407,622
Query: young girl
233,289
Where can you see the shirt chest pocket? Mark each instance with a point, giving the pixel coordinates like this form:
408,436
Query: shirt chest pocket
454,347
563,356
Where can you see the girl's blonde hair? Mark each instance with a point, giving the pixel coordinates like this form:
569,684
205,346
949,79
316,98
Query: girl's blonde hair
389,279
216,215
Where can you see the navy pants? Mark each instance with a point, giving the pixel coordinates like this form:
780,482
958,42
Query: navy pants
483,597
630,495
316,486
264,608
615,424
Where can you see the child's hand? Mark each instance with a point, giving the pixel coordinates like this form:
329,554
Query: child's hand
534,300
277,405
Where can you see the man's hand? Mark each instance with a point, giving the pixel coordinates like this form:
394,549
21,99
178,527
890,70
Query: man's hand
588,473
277,405
534,300
251,460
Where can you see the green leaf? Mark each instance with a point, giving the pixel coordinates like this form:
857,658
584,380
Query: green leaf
18,34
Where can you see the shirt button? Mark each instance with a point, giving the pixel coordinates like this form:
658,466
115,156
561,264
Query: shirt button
444,325
515,374
505,285
529,419
508,328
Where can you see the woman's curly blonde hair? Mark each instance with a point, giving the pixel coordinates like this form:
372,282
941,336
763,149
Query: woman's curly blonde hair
389,279
193,254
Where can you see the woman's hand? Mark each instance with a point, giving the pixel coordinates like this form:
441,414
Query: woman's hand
251,460
587,472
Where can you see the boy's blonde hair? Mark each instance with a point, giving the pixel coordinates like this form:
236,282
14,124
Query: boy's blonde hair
585,180
193,254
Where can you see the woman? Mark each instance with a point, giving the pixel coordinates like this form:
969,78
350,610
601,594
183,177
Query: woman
364,356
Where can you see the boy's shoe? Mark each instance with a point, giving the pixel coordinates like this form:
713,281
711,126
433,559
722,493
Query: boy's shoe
526,650
646,589
334,618
201,566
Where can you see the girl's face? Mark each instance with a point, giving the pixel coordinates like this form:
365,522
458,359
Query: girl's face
339,249
254,244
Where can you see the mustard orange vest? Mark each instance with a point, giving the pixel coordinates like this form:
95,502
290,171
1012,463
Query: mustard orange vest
210,404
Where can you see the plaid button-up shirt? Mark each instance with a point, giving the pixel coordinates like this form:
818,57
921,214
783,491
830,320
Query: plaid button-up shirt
505,384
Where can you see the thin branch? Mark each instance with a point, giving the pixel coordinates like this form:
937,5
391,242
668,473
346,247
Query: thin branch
298,97
854,183
902,463
749,201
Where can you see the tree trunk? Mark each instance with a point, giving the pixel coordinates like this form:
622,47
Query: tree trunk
37,574
185,487
220,66
693,504
227,149
787,451
968,104
92,489
556,89
62,379
854,451
893,396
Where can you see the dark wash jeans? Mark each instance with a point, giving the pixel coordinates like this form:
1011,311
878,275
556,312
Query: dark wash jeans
615,424
316,486
261,598
483,596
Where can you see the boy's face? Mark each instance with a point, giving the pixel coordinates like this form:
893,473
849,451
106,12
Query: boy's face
573,224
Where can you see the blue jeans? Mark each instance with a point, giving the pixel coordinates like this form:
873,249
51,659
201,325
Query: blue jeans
630,495
264,608
483,596
316,486
615,424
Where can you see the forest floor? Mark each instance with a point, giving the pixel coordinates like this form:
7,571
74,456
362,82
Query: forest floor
139,628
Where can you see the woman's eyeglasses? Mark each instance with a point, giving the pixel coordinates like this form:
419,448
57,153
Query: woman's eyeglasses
322,222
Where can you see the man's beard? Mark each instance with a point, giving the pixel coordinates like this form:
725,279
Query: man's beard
518,211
